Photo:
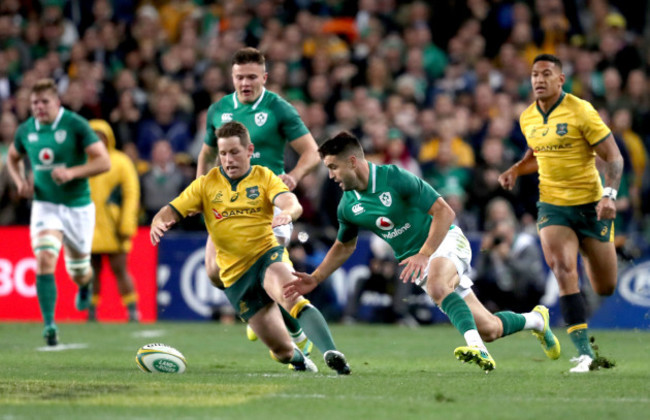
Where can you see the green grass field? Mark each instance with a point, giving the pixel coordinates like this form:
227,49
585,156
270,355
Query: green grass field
397,373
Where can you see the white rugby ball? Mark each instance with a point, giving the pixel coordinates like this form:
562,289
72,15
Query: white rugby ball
160,358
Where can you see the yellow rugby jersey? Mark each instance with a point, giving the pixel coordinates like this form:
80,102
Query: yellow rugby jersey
563,142
238,215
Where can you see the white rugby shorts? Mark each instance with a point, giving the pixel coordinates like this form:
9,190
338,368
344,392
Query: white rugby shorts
282,233
76,223
456,248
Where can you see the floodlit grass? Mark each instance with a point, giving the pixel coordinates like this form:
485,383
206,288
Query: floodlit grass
397,373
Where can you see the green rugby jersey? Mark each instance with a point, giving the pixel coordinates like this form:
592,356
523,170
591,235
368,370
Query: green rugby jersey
48,146
271,121
395,207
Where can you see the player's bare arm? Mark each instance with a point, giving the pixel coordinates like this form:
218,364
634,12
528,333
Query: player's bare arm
162,222
336,256
443,217
207,160
291,209
527,165
609,153
306,147
16,168
98,162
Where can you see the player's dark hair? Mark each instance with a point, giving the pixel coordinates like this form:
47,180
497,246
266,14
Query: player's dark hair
43,85
248,55
549,57
343,144
234,129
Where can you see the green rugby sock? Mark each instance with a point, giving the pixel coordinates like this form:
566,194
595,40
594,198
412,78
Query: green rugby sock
316,328
46,291
292,324
458,312
512,322
580,337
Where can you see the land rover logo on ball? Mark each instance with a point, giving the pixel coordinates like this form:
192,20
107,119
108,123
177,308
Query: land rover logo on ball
384,223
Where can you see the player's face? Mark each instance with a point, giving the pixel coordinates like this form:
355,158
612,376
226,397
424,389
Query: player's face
45,106
342,172
235,159
249,80
547,80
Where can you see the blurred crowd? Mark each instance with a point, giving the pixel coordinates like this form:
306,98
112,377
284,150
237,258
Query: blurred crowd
434,87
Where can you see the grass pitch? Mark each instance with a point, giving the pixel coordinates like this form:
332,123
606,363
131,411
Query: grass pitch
397,373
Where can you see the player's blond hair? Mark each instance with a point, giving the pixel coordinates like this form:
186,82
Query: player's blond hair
44,85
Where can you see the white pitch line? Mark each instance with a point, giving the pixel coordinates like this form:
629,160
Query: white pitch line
149,333
63,347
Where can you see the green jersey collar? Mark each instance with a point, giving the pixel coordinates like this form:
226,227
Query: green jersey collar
372,181
235,182
236,102
54,124
555,105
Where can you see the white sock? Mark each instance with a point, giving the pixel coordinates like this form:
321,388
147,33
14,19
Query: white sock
473,338
534,321
299,338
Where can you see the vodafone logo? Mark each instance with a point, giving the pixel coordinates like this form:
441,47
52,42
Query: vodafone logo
217,215
46,156
384,223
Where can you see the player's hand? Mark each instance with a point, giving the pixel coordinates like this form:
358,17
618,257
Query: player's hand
158,230
281,219
415,266
606,209
289,181
61,175
508,179
303,284
25,188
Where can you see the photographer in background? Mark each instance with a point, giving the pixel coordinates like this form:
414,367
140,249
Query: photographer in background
509,274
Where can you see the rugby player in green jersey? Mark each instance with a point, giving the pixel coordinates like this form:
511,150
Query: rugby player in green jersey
272,123
416,222
64,152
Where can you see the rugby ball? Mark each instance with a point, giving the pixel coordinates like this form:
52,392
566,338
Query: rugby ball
160,358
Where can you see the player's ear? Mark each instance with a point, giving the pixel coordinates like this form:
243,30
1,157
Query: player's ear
250,149
353,161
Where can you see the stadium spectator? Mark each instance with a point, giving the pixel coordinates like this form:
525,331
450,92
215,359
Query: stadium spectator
162,182
116,195
509,273
164,123
255,267
570,192
62,208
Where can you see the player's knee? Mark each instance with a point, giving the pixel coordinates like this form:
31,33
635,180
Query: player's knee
46,249
438,292
78,268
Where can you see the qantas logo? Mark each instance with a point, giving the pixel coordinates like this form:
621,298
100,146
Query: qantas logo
384,223
217,215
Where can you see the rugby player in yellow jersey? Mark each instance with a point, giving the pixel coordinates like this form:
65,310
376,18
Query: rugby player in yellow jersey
564,135
237,202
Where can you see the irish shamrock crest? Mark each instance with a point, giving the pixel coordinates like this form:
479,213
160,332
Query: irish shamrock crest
386,199
260,118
